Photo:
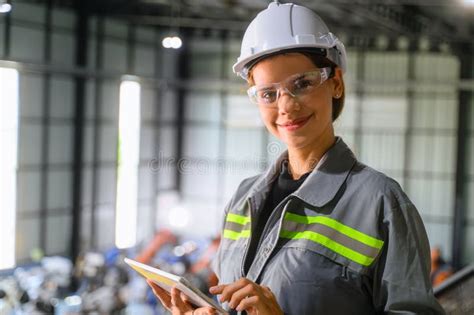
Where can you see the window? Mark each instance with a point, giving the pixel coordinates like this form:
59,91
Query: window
128,159
8,164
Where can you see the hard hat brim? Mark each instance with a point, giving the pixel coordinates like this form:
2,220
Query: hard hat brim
243,68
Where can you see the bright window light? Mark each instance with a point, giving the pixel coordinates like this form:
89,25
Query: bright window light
179,217
8,164
128,158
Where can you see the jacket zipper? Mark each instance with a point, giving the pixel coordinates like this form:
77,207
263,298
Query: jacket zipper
262,236
268,223
242,263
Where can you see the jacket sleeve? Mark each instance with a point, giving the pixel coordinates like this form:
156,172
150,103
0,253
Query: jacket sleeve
401,280
215,264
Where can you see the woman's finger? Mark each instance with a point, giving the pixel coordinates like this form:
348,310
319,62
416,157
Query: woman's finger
229,289
185,298
267,292
178,302
186,301
248,303
161,294
217,289
241,294
204,311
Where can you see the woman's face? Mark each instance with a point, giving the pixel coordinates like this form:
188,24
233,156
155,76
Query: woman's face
302,121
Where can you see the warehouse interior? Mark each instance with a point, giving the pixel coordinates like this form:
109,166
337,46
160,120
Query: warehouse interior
124,132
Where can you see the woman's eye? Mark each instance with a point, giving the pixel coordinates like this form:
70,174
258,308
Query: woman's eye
267,95
303,84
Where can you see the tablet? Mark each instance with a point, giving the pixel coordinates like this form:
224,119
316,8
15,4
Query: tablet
166,281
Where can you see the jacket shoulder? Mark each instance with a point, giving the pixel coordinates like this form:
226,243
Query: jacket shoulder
242,192
379,185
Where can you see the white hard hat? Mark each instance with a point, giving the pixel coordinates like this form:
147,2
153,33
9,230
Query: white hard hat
283,27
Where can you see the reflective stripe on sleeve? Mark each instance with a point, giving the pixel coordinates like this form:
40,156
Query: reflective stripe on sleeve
240,219
236,227
233,235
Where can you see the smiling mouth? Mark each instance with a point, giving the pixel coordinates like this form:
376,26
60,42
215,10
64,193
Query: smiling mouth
296,124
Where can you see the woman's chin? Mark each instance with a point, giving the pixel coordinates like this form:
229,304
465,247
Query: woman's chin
295,142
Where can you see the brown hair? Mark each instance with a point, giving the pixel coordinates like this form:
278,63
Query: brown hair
320,62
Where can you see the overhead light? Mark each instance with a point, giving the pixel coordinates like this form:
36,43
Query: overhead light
172,42
5,7
469,2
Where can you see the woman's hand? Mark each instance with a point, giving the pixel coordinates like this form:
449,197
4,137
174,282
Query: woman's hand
177,303
249,296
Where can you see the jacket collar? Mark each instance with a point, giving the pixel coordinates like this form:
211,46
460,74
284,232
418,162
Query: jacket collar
322,184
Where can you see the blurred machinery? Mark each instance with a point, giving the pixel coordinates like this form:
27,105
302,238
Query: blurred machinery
456,294
100,283
440,269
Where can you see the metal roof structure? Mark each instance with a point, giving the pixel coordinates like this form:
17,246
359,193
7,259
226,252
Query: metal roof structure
449,21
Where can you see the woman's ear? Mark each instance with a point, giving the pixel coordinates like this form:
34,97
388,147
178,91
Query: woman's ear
338,83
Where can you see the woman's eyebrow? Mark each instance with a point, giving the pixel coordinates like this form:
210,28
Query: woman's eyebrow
266,87
297,76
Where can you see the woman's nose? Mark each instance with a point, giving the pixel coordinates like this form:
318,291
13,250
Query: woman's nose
287,102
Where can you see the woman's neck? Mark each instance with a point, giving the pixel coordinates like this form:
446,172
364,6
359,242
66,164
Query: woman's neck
303,160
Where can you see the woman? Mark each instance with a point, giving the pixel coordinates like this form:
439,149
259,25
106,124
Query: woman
318,232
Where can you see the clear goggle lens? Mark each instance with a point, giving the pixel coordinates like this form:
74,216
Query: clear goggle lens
296,85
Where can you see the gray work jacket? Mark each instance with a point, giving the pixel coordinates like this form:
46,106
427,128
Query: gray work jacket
348,241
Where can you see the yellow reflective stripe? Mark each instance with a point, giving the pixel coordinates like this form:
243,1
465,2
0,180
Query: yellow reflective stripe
236,218
344,229
233,235
332,245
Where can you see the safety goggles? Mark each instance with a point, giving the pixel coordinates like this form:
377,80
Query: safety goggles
297,85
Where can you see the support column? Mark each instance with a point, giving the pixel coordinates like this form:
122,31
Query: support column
79,116
465,97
